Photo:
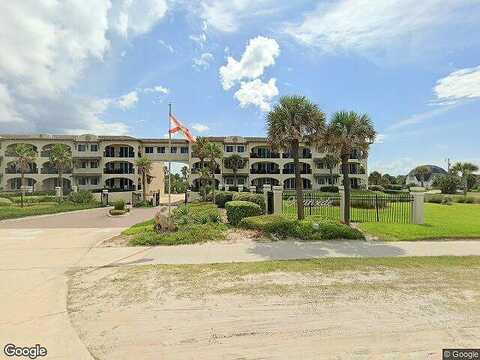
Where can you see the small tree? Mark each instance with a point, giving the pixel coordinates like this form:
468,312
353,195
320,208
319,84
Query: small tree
346,132
185,173
24,155
464,170
295,120
447,184
61,157
235,162
374,178
144,167
199,150
213,152
422,173
331,161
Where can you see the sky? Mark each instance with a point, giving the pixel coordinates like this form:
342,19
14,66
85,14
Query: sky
113,66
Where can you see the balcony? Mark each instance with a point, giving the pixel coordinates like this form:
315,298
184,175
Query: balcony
302,171
54,171
16,171
119,171
265,156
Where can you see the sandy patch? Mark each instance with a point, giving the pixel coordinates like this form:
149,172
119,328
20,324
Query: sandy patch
203,312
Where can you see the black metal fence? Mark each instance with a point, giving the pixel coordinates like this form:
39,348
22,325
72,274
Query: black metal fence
364,207
387,208
316,203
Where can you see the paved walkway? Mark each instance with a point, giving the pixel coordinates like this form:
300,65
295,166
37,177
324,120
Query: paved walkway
36,254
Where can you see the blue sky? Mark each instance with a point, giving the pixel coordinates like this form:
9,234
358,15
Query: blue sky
414,67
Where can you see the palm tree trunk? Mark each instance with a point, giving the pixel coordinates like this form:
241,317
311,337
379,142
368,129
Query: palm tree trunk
235,181
144,186
298,182
346,186
22,186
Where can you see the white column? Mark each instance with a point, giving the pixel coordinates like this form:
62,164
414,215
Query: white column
277,199
341,191
240,188
418,213
266,189
58,191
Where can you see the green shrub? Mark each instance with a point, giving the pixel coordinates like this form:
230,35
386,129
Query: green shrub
393,187
119,205
5,202
435,199
237,210
329,189
143,203
188,234
469,200
117,212
221,197
447,200
33,199
198,213
81,197
448,184
376,188
258,199
305,229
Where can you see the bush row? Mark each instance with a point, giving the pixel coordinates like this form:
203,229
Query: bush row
237,210
305,229
223,197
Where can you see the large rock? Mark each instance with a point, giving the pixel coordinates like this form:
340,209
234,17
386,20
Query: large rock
164,222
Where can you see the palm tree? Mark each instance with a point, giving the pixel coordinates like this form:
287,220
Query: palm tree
24,155
422,172
295,120
331,161
348,132
234,162
185,172
199,150
374,178
213,151
61,157
204,173
465,169
144,166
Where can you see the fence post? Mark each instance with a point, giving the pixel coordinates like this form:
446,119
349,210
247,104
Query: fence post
277,199
418,205
341,191
266,189
253,189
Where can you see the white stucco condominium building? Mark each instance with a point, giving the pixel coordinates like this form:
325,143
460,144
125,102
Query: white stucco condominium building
108,162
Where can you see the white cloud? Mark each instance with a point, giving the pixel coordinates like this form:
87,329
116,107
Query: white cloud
380,139
7,107
259,54
226,16
421,117
128,101
459,85
200,127
257,93
159,89
360,25
203,62
166,46
136,17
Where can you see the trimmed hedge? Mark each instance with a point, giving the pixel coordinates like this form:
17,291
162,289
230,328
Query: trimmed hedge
258,199
116,212
196,213
329,189
305,229
221,197
5,202
376,188
81,197
237,210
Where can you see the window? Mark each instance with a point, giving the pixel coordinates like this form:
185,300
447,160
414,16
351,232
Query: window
184,150
229,148
93,147
173,150
82,147
82,181
241,181
161,149
93,164
229,181
84,164
94,181
240,148
149,150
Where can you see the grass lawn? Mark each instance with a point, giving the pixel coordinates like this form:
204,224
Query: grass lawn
441,222
15,211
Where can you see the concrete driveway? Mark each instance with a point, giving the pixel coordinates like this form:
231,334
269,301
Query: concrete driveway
35,254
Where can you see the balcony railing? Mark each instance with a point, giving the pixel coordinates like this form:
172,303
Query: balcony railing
118,155
265,171
54,171
301,156
119,171
265,156
292,171
17,171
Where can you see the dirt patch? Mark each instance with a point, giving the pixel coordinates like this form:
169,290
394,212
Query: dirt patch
258,311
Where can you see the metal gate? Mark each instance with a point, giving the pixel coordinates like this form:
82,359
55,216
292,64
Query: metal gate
387,208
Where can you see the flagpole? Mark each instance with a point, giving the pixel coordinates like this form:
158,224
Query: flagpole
170,161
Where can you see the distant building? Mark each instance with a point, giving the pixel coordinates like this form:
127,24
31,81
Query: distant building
435,171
